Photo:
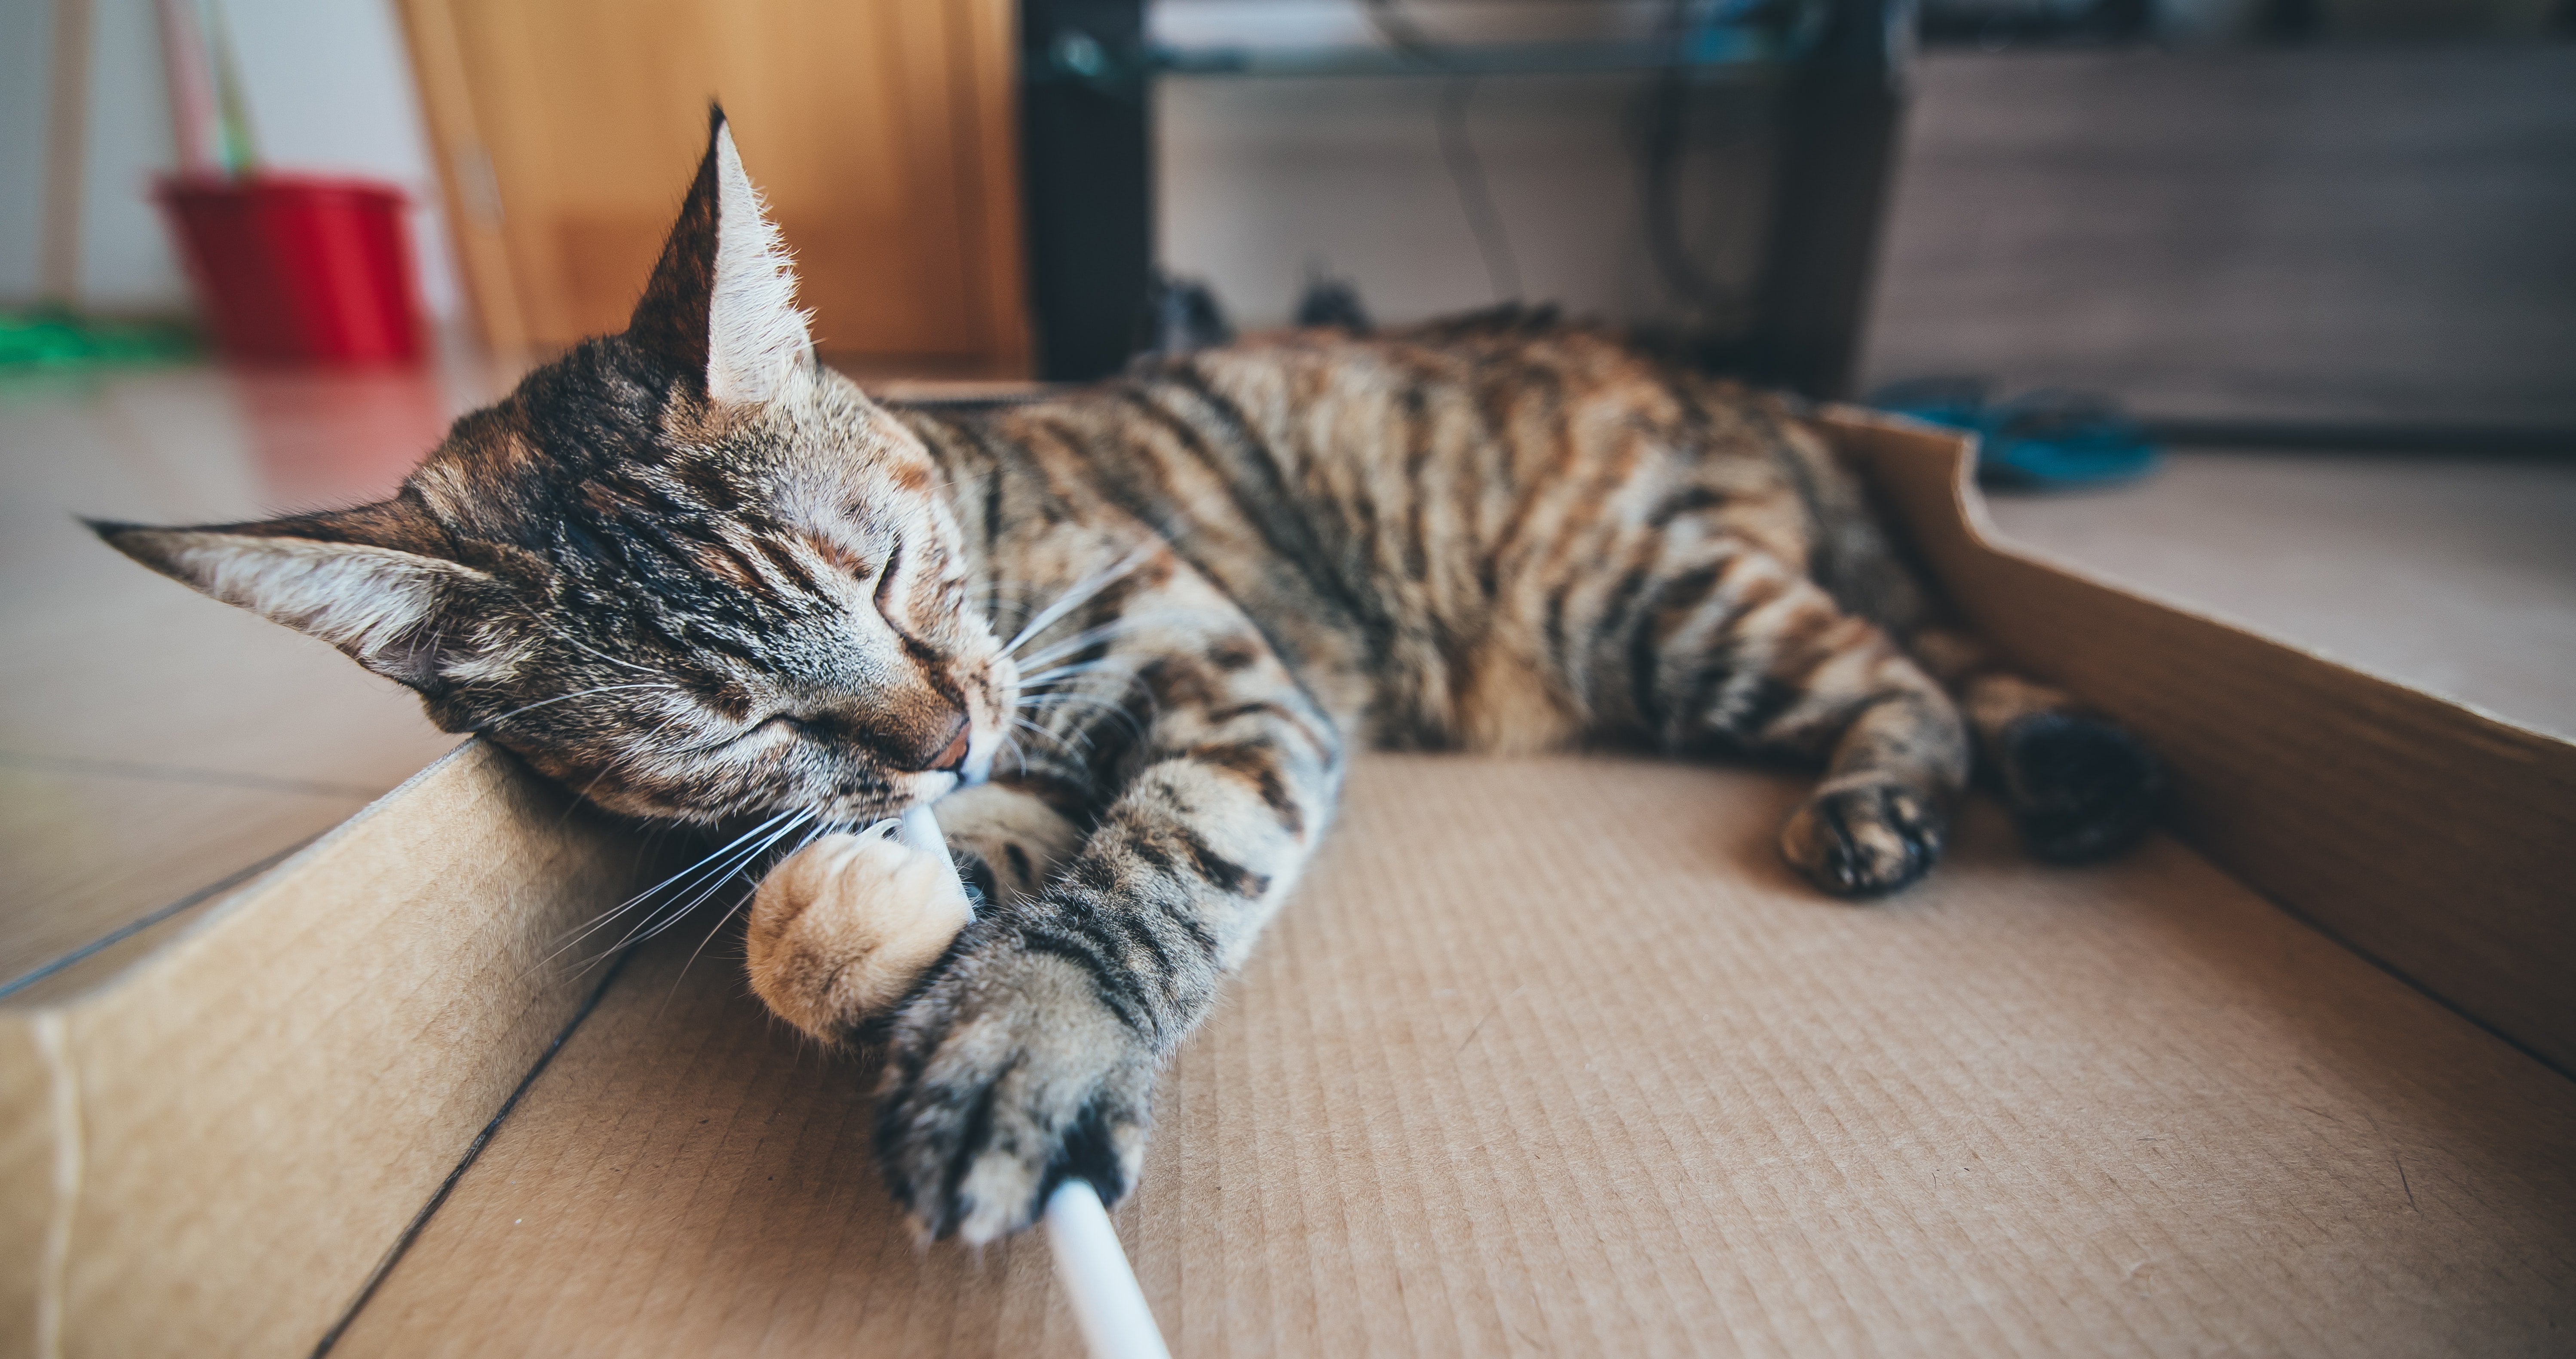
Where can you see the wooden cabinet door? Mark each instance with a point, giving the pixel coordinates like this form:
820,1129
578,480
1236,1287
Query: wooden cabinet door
881,132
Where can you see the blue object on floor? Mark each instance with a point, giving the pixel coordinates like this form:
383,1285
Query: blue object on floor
2047,438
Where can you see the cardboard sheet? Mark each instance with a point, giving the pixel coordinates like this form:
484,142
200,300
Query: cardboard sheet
209,1152
2435,839
1554,1057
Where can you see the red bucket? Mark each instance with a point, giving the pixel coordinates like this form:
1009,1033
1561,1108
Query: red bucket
298,268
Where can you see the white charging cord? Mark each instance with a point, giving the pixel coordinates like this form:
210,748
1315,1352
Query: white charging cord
1107,1304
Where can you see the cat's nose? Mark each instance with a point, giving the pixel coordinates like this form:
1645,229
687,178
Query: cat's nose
934,745
917,737
953,755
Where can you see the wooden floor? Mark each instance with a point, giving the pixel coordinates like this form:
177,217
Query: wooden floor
154,743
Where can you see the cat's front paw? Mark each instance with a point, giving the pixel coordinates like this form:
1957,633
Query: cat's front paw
1865,840
844,927
1006,1077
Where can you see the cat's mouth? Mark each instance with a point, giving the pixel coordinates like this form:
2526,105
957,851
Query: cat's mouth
981,748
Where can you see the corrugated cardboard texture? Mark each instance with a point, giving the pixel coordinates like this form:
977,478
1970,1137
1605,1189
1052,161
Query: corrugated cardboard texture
1554,1057
2437,840
209,1153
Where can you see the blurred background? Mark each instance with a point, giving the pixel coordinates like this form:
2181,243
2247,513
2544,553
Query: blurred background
2277,298
2331,212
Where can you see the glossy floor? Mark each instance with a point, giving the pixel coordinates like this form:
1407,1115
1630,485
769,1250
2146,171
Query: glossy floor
154,743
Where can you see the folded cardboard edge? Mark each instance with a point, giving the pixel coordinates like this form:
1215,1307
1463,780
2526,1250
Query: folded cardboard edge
93,969
2431,838
347,1023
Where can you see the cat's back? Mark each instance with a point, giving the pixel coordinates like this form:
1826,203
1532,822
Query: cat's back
1441,496
1444,465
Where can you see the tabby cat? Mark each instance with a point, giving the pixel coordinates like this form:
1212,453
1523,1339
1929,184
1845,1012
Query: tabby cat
1127,637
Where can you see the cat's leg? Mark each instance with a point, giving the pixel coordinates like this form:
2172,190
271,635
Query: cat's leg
2078,786
1029,1052
1728,646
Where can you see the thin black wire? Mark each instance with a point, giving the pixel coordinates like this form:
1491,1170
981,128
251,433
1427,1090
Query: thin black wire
1458,151
1467,173
1667,111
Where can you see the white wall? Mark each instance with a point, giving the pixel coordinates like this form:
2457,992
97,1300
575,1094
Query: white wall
2328,234
26,35
1259,176
329,90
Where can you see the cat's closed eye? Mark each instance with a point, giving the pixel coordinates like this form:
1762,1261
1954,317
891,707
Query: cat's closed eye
885,577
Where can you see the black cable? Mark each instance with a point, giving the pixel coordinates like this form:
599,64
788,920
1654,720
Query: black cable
1457,150
1667,108
1467,173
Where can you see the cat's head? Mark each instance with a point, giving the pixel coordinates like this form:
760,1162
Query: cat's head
686,569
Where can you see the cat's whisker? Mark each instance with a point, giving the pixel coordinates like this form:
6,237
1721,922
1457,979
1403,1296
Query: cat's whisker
1082,590
813,833
1083,639
655,923
692,870
740,861
1090,636
1070,753
1077,668
1046,703
1114,678
1076,684
721,921
604,918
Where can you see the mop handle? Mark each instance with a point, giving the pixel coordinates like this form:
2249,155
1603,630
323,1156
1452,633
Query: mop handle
1116,1323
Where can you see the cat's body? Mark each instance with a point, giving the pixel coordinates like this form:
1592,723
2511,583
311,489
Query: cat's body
691,574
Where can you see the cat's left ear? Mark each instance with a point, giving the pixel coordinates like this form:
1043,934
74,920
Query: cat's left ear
368,580
721,306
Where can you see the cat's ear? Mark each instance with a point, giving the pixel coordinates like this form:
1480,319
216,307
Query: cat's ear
721,305
405,614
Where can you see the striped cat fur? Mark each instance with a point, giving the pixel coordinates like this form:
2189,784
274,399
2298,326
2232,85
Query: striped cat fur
698,578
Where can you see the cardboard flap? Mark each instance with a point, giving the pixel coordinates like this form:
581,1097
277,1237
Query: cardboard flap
207,1152
2436,840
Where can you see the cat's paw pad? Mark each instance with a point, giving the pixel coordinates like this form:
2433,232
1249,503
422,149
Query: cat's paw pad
842,929
1864,840
1007,1077
2079,788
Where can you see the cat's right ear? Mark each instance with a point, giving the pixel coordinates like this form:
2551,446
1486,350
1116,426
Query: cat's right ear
721,307
406,615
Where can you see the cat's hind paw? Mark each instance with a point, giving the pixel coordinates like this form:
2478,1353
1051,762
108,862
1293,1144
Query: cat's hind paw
1864,840
2079,788
844,928
1007,1077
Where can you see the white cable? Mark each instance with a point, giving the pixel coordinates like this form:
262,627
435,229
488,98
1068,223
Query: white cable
1116,1323
1111,1309
920,830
